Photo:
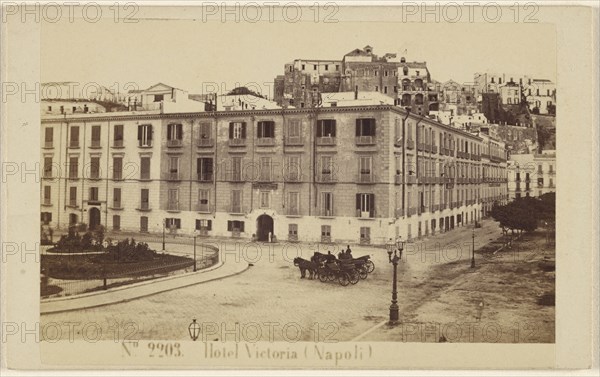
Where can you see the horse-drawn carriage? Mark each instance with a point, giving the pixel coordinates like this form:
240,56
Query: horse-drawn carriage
326,267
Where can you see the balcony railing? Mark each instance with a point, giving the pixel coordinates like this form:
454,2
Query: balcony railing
144,206
74,144
237,142
365,140
203,207
48,144
326,140
145,143
365,178
116,204
173,176
236,209
365,214
434,149
326,212
46,201
118,144
411,212
411,179
398,179
292,211
204,177
205,142
234,177
265,141
95,143
326,177
551,172
117,175
174,143
145,176
410,144
398,212
72,202
294,140
173,206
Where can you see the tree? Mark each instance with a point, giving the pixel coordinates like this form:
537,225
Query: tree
242,90
524,214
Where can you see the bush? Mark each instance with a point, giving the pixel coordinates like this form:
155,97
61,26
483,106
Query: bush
128,250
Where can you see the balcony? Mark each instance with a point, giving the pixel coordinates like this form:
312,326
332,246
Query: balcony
294,141
173,206
175,143
411,212
365,140
94,175
398,212
235,177
95,144
326,177
144,206
551,172
74,144
427,148
365,178
118,144
117,175
326,140
292,212
46,202
237,142
117,204
173,176
398,179
420,146
203,208
365,214
144,176
434,149
451,152
410,179
326,212
205,142
204,177
73,203
410,144
48,144
145,144
435,207
265,142
236,209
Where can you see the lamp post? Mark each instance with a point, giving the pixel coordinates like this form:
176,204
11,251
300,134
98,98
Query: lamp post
473,252
397,251
163,238
195,235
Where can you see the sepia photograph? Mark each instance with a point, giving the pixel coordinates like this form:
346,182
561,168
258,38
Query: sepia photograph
286,184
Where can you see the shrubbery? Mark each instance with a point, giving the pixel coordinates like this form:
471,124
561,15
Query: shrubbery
128,250
73,242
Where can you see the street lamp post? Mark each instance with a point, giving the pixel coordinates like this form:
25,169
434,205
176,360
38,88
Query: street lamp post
397,251
163,238
473,252
195,252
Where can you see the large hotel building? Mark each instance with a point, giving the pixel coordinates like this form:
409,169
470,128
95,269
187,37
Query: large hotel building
351,174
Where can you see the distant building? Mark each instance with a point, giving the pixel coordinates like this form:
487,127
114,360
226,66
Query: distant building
541,96
407,83
532,174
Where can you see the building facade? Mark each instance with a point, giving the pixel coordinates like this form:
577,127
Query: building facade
356,174
532,175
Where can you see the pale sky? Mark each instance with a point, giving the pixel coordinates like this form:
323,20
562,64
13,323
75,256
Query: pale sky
188,53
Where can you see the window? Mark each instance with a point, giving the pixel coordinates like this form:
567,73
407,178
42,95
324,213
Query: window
385,89
204,169
265,129
159,97
48,137
203,200
417,73
327,204
204,225
143,224
174,167
376,88
293,232
116,197
117,168
509,100
540,182
365,234
265,199
93,194
327,67
293,203
95,136
293,168
337,67
116,222
236,201
73,167
540,171
365,205
47,167
145,168
236,169
326,231
235,225
385,73
145,199
237,130
365,164
174,132
173,223
74,137
46,217
326,128
205,131
173,199
73,196
326,168
47,197
365,127
314,67
145,135
118,135
265,169
303,67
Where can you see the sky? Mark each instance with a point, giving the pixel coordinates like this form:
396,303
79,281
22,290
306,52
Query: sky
191,54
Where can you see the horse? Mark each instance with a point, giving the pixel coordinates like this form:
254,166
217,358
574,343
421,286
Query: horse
306,265
322,258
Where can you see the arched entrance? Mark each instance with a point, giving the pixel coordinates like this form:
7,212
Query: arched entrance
264,226
94,218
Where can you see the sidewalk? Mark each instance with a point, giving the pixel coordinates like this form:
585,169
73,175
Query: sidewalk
142,289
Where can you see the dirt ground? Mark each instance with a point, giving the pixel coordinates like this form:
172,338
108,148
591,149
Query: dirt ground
507,298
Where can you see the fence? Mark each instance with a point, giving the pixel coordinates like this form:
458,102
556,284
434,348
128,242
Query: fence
67,274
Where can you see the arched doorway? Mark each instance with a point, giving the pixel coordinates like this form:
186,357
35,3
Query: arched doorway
94,218
264,226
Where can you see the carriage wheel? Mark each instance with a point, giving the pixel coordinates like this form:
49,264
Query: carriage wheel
370,266
363,273
344,279
323,276
354,278
331,276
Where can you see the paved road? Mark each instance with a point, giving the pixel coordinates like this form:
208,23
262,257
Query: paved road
270,301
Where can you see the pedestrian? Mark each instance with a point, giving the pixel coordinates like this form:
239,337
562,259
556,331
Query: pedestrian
348,252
